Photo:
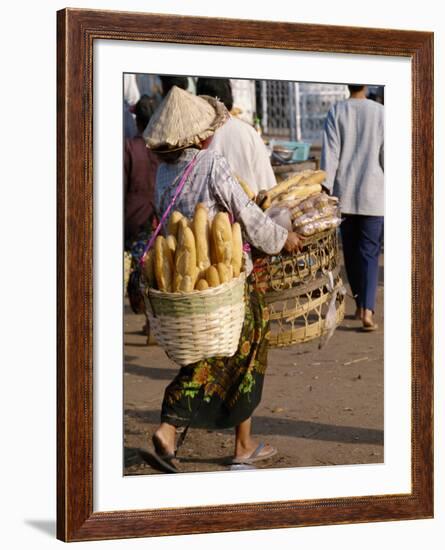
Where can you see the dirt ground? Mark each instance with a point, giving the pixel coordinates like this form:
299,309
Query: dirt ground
319,407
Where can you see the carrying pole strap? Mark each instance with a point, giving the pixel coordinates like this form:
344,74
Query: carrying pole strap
181,184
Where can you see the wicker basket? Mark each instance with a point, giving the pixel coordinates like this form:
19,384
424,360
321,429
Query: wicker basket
199,324
298,315
276,273
299,289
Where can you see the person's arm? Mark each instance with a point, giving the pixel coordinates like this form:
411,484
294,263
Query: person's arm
261,231
330,151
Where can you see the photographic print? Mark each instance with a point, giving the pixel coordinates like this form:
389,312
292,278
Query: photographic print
254,274
221,355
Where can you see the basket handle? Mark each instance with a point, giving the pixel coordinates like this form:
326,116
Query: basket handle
181,184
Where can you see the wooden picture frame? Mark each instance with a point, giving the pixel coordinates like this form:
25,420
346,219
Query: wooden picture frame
77,31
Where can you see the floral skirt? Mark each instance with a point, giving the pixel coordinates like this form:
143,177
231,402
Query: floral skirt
221,393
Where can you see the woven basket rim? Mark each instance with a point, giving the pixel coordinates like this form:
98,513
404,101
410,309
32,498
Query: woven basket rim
212,291
311,239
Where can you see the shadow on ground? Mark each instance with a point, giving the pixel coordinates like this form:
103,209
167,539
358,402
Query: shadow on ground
151,372
266,425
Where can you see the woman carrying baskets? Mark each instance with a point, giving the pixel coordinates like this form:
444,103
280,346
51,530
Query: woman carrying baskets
218,392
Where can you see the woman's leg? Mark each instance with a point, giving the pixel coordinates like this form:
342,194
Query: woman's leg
245,445
350,240
371,231
220,393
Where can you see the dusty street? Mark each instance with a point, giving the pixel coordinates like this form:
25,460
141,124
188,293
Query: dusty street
319,407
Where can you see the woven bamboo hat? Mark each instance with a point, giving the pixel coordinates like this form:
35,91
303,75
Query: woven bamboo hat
184,119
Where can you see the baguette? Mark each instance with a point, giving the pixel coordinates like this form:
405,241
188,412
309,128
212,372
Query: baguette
246,188
301,193
163,264
185,260
148,269
201,232
237,249
316,177
184,222
212,276
223,273
172,244
283,202
173,223
222,238
202,284
281,188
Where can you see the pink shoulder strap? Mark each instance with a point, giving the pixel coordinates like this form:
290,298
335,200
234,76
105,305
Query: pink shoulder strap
181,184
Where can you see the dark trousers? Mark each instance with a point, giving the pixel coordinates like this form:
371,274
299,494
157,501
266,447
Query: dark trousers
362,240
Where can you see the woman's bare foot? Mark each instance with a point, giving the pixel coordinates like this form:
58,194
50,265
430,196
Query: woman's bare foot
246,451
368,320
358,315
164,439
246,448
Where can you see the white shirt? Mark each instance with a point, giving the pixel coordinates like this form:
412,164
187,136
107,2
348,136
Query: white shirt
246,154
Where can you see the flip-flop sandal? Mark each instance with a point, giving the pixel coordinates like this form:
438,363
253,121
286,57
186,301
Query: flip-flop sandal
255,456
163,462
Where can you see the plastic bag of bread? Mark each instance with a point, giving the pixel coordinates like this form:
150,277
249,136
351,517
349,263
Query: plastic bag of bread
314,215
308,216
318,226
321,201
308,205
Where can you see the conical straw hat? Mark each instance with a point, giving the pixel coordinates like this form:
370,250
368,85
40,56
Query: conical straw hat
184,119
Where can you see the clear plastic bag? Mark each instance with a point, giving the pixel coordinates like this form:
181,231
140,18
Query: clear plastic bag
317,226
308,217
321,202
313,215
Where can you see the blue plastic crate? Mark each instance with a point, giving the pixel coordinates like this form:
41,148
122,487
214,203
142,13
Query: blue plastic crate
300,149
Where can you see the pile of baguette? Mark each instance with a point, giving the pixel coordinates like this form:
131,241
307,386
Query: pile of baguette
196,254
294,189
311,210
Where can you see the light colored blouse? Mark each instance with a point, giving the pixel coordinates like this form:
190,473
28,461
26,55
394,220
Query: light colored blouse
352,155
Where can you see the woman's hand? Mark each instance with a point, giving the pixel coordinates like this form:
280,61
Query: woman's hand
293,242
